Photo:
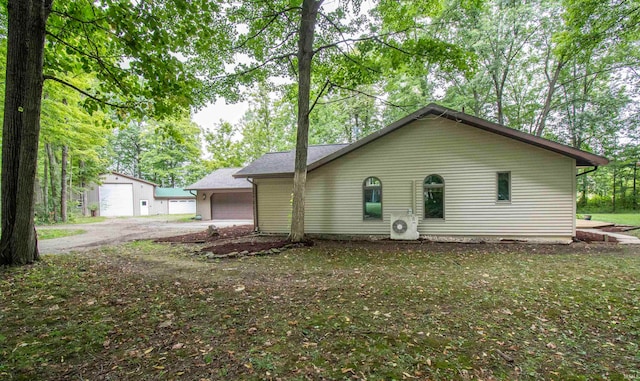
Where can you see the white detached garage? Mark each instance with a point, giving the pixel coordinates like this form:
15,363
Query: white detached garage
120,195
175,201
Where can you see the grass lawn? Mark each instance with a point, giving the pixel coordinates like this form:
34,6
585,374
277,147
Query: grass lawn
58,233
618,218
332,311
75,220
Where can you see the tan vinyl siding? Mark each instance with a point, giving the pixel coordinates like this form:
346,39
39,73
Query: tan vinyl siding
274,205
542,184
203,204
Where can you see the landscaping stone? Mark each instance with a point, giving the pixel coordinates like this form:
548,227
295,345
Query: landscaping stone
212,231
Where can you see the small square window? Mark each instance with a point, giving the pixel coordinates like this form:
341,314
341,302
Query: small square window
504,186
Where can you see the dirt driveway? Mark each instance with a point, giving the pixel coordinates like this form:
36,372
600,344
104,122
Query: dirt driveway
118,230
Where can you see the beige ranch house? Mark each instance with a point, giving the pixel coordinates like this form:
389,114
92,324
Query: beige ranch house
445,174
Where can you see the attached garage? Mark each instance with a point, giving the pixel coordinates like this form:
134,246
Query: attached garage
232,206
220,196
116,200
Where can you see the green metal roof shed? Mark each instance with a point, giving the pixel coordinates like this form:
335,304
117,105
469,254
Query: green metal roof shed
173,193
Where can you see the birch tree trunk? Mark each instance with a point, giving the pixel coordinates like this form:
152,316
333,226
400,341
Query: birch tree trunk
83,186
45,188
21,128
63,183
52,178
305,55
546,108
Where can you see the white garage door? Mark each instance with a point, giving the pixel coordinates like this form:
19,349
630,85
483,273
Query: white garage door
182,206
116,200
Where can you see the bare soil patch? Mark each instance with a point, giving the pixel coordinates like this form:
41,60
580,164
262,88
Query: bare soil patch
590,237
619,228
203,236
241,240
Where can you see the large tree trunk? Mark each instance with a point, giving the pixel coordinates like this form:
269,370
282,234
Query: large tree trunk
305,55
63,183
21,128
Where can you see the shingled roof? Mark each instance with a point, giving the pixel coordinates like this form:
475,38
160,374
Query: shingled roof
277,164
221,179
281,164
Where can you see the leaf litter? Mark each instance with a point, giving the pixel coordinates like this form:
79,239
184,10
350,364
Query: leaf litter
333,311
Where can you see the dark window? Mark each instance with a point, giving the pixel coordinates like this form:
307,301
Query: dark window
504,186
433,197
372,200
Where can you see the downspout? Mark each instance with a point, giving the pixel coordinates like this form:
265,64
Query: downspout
255,204
589,171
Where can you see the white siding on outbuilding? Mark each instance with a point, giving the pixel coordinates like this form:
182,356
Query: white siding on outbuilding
116,200
137,190
542,205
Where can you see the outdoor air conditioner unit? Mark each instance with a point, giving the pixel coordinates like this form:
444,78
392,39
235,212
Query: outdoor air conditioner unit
404,227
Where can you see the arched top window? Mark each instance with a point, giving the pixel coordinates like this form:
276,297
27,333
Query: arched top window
433,181
372,198
433,197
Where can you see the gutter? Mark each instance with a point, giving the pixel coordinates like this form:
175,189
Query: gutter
595,168
255,204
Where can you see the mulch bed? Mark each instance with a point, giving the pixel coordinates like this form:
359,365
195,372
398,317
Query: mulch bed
595,237
240,244
203,236
619,228
237,242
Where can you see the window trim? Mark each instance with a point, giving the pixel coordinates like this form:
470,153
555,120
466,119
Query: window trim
508,201
364,202
438,186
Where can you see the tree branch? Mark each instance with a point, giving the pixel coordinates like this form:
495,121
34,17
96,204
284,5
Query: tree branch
252,69
63,14
76,88
274,17
350,40
326,83
384,101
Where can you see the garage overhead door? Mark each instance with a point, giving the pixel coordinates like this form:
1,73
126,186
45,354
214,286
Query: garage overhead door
182,206
232,206
116,200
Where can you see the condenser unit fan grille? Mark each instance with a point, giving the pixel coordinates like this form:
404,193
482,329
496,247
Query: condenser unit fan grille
399,226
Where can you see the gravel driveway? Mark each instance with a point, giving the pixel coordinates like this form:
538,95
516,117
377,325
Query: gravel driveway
118,230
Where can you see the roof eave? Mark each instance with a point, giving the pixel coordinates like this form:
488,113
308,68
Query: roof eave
133,178
264,175
217,189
